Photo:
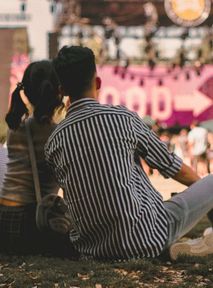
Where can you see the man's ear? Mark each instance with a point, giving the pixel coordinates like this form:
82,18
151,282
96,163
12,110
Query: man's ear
98,83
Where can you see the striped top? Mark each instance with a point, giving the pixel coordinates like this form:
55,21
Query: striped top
117,213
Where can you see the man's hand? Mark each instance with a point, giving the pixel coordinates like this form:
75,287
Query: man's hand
186,175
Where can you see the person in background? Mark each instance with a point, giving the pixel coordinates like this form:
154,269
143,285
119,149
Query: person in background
198,146
165,137
39,91
94,151
180,144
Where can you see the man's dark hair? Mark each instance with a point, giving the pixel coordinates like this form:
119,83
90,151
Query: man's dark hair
76,67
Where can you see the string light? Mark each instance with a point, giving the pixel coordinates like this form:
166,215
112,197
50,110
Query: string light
187,74
141,82
160,82
23,6
198,72
116,69
123,74
52,7
132,76
151,64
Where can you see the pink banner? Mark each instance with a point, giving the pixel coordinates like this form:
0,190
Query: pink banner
172,97
18,66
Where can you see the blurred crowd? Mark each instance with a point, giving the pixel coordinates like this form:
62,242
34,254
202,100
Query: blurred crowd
193,144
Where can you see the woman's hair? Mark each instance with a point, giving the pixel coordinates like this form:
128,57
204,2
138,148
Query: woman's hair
41,87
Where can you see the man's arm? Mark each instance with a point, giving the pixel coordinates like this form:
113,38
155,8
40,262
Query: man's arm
154,151
157,155
186,175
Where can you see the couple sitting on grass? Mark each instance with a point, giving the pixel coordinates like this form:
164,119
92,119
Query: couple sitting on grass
93,154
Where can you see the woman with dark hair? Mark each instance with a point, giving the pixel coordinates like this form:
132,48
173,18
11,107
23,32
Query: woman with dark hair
39,89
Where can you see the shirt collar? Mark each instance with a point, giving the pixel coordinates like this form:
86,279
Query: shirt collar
78,104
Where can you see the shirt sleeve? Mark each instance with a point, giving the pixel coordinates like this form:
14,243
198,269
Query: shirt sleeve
154,151
51,154
48,158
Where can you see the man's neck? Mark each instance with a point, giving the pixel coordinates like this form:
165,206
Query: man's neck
90,94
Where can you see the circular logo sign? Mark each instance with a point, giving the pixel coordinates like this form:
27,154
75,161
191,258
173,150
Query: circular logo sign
188,12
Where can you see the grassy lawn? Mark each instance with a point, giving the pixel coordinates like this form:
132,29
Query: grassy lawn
40,271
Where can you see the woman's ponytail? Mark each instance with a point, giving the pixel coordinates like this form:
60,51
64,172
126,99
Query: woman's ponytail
17,108
47,102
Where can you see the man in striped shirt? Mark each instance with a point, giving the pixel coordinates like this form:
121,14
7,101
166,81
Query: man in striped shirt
116,212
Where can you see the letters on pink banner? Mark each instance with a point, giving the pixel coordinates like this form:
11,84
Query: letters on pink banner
177,96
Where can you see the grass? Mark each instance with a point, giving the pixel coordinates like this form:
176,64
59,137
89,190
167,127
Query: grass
39,271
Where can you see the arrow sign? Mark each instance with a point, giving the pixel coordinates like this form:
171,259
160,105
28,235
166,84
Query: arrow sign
197,102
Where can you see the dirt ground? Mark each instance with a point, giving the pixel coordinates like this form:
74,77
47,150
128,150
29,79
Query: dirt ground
166,186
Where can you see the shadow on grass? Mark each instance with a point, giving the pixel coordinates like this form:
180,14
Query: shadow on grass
40,271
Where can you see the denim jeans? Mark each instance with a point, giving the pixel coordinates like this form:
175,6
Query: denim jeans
186,209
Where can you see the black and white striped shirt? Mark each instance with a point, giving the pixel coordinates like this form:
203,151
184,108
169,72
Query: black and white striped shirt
116,211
